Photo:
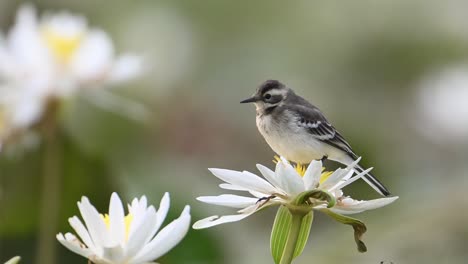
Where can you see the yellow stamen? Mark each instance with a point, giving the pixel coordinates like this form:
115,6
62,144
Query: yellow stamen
301,169
127,222
63,47
276,159
325,176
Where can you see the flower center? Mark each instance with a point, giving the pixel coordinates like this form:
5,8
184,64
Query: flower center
301,170
127,221
62,47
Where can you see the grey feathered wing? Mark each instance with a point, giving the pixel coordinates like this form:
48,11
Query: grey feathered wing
318,126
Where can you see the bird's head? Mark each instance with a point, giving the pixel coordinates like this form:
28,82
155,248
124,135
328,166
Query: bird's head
269,94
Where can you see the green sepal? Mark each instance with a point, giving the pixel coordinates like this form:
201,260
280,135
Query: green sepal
358,226
281,229
320,195
279,233
306,225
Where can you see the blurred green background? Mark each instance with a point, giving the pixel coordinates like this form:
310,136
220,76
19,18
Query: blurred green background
369,65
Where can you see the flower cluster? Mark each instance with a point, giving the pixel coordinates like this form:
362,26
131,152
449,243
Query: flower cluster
50,58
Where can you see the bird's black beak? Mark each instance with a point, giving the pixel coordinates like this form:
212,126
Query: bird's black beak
252,99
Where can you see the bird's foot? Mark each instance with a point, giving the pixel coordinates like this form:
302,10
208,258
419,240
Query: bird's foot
324,158
265,200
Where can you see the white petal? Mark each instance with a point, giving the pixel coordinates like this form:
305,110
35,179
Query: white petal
117,224
126,67
138,209
114,254
165,240
25,43
351,206
14,260
217,220
162,212
27,110
73,244
269,175
335,178
312,175
228,186
94,223
94,57
81,231
246,180
345,183
291,181
229,200
143,233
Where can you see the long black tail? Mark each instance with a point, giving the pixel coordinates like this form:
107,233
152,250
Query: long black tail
373,182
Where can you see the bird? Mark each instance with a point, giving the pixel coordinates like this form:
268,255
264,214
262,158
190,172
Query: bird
298,131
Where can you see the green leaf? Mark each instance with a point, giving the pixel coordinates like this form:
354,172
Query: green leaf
358,226
281,230
320,195
304,233
279,233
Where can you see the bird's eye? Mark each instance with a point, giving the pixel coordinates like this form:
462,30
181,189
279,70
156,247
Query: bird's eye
267,96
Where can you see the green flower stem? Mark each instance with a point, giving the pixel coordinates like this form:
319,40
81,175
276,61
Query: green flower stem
296,221
51,183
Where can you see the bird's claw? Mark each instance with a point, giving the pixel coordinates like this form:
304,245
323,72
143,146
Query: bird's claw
265,199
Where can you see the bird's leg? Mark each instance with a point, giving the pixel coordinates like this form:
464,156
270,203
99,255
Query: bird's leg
324,158
265,199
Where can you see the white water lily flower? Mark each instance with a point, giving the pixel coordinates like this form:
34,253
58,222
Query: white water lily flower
116,238
53,57
63,51
282,186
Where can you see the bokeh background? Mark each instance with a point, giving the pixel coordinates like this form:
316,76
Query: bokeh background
391,75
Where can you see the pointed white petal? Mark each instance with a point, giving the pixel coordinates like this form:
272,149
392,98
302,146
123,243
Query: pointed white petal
291,181
14,260
350,206
162,212
246,180
335,178
73,244
143,233
138,211
94,223
25,43
81,231
229,200
126,67
345,183
165,240
269,175
228,186
312,175
217,220
117,225
93,60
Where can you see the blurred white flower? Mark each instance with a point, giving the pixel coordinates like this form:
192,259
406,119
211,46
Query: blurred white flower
116,238
442,105
282,186
53,57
